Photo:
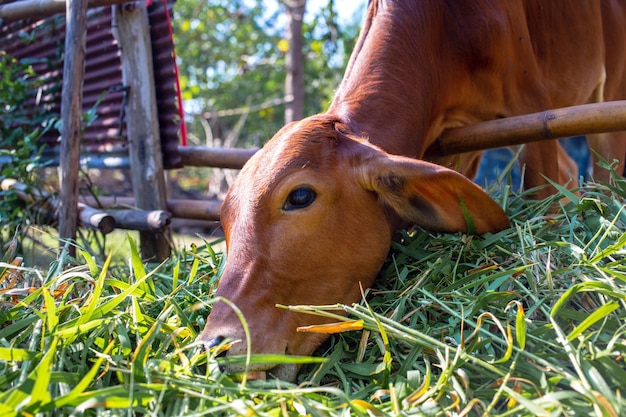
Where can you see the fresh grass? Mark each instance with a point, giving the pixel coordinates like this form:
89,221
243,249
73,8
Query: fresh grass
528,321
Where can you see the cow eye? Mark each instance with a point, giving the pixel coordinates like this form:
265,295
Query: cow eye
299,198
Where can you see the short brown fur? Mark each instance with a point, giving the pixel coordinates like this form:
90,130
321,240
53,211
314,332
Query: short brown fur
419,68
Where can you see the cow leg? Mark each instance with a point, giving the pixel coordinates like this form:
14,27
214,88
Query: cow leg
469,163
611,147
547,159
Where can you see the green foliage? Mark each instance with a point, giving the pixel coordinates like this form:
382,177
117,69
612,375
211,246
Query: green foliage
528,321
328,45
231,56
20,132
229,60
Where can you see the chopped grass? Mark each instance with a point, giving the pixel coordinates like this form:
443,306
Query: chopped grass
528,321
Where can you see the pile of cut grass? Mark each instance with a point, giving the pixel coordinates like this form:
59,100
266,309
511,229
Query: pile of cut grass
528,321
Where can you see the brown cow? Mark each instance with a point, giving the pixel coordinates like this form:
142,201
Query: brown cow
312,215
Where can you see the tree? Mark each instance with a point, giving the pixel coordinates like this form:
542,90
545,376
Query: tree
294,62
229,60
233,58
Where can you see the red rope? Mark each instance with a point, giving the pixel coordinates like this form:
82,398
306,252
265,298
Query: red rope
179,96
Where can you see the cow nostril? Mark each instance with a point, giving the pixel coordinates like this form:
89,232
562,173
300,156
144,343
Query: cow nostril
218,346
216,341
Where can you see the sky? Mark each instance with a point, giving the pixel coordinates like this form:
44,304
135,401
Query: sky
345,8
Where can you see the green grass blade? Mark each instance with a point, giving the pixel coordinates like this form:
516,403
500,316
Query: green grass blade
30,394
139,271
96,293
601,313
80,388
16,354
51,310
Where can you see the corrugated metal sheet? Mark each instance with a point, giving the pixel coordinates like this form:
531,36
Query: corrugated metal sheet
103,87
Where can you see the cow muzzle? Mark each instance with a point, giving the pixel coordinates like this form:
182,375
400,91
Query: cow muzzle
261,371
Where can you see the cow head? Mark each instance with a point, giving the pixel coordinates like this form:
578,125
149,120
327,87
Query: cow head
311,216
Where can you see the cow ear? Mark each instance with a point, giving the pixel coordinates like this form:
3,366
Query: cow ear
431,196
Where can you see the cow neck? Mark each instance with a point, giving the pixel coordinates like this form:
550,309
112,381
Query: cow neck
387,95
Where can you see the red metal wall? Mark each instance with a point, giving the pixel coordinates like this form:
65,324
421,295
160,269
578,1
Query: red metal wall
104,146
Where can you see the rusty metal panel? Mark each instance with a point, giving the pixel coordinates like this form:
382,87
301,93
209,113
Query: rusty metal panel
163,56
105,141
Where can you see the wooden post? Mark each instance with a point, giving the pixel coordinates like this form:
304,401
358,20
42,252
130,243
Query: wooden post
131,28
71,115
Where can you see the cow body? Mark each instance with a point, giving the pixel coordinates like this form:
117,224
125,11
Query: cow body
311,216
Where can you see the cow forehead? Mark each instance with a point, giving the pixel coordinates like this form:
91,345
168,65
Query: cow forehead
309,144
305,148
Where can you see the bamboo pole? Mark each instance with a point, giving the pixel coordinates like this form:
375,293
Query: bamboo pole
180,208
142,220
202,156
71,118
36,9
88,216
96,219
550,124
580,120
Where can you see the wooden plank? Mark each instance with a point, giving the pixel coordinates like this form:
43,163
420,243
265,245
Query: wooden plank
71,118
30,9
550,124
131,28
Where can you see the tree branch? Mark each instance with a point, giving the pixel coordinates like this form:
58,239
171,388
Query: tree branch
248,109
